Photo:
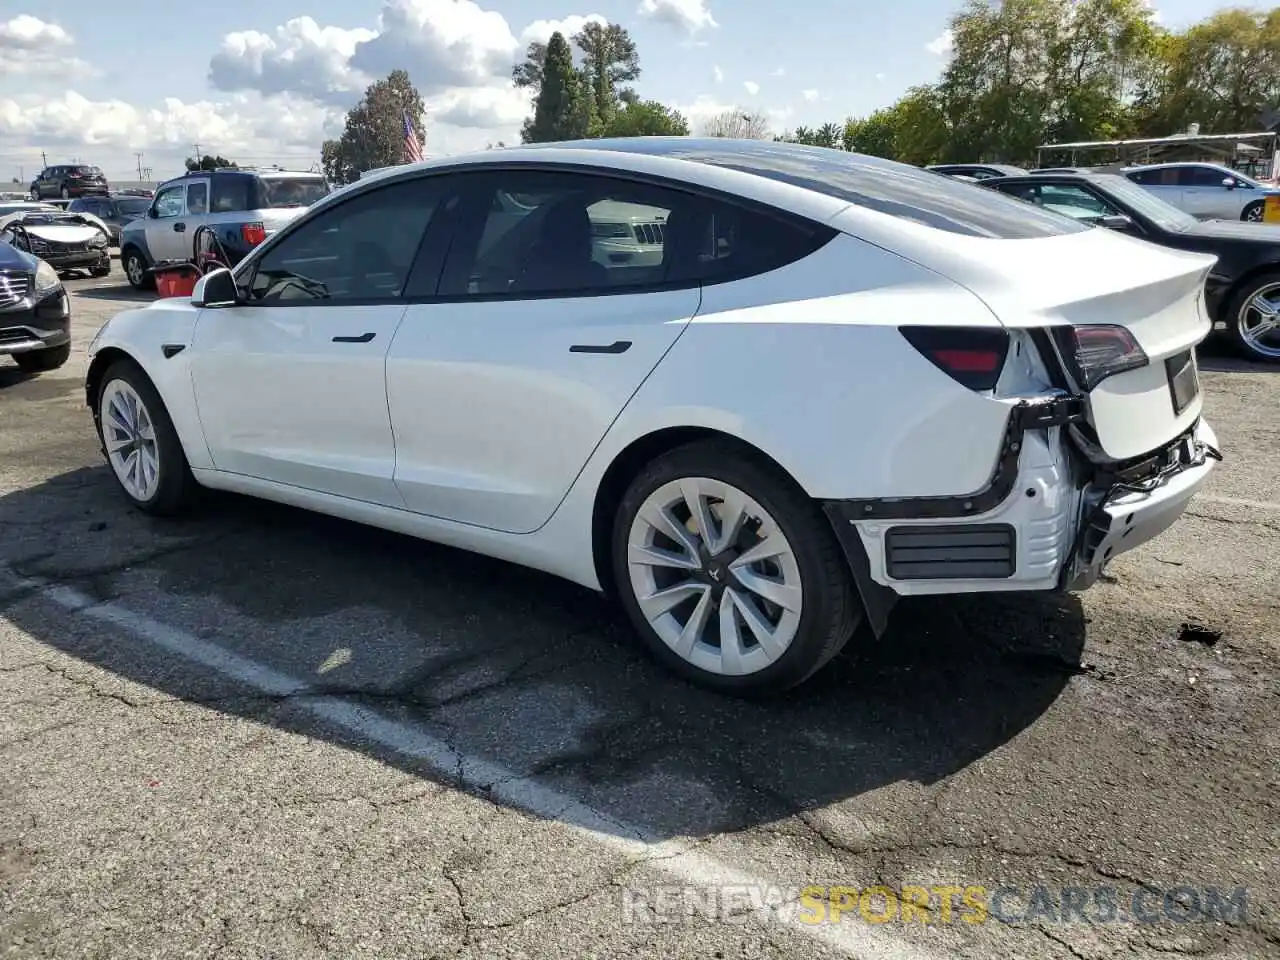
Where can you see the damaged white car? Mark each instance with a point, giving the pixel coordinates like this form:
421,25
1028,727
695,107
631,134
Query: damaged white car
65,241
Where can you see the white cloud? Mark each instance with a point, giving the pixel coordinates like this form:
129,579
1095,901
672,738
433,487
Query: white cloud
719,74
690,16
780,72
299,56
751,87
810,96
541,30
942,44
879,77
33,48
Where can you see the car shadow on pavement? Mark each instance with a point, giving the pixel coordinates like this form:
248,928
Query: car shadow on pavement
520,671
124,294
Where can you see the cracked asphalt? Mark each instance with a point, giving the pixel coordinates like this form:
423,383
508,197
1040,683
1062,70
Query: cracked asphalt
260,733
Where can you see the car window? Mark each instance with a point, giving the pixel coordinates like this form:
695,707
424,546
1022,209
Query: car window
82,205
131,206
230,193
360,249
1203,177
897,189
1159,177
274,192
197,198
585,234
170,202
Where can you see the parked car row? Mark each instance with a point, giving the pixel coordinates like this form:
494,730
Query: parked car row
1204,190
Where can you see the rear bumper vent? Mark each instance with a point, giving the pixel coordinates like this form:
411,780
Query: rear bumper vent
951,552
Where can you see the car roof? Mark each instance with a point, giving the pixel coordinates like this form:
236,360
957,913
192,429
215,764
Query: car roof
1176,163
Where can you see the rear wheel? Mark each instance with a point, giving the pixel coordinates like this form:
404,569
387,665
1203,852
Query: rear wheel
66,194
1254,318
42,361
140,442
731,574
135,269
35,193
1253,212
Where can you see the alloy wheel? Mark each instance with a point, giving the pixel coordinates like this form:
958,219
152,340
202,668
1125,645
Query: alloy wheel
133,267
1259,321
1254,214
129,435
715,576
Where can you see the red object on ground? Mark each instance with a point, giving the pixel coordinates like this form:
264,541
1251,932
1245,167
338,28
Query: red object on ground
176,279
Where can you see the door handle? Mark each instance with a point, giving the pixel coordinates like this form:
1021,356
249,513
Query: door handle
179,228
362,338
618,346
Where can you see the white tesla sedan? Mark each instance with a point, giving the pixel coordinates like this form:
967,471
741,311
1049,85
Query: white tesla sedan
844,380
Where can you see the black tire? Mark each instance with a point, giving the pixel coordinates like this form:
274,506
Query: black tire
177,490
66,194
35,193
101,271
147,279
830,609
1234,307
1253,212
42,361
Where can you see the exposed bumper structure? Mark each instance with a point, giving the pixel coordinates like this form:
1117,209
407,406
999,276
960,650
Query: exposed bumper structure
25,325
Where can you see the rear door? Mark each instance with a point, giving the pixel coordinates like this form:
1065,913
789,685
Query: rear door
1164,182
501,387
1204,196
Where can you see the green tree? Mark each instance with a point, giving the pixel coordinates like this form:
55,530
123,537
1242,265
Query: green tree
562,110
207,162
374,133
609,59
738,124
646,118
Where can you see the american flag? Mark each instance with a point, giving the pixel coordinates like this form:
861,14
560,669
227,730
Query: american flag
412,152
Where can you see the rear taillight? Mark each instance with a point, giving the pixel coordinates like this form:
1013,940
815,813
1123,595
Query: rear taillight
1094,352
972,356
253,233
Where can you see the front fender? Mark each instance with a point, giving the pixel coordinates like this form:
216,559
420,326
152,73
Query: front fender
156,338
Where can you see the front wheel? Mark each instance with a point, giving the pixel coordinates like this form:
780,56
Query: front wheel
1254,319
1253,212
102,271
140,442
730,573
42,361
66,194
35,193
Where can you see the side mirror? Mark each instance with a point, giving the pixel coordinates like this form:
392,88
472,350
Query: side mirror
1229,183
1116,221
215,289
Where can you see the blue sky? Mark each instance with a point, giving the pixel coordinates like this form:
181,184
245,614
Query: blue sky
250,79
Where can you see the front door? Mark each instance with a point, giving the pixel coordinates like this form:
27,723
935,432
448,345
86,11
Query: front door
164,238
290,383
554,306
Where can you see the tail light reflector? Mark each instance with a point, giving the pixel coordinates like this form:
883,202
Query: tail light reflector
253,233
972,356
1094,352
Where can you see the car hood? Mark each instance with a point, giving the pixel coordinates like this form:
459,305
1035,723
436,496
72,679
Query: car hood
1235,230
63,232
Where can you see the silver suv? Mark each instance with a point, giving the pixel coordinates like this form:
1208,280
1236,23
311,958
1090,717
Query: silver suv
243,206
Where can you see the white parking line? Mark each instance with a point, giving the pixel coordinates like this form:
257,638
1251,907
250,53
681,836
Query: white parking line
673,857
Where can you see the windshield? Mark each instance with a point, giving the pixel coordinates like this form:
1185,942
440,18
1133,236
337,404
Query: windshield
1145,203
291,191
133,206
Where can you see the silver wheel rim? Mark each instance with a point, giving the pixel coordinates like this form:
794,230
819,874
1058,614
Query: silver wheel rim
1259,321
129,435
1253,213
714,576
134,267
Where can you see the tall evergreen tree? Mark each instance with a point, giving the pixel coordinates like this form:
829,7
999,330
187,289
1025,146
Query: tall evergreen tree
562,110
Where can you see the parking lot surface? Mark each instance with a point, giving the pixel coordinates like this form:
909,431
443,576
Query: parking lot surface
262,733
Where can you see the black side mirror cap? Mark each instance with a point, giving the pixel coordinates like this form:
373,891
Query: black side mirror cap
217,288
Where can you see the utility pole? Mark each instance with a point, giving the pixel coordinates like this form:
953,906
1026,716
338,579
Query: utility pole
139,156
198,155
43,158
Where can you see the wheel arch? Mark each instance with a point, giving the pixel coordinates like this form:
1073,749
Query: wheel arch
628,463
1240,283
98,366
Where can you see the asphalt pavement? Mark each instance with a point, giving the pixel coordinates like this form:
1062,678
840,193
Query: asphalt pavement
262,733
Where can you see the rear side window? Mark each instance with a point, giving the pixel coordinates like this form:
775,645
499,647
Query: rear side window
1204,177
230,193
279,192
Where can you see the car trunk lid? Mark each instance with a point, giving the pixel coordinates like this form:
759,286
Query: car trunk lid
1101,278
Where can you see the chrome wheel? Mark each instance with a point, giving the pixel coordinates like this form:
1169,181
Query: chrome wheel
714,576
134,268
129,435
1259,321
1254,213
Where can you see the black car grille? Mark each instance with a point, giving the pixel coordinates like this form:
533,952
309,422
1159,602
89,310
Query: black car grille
14,286
649,233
